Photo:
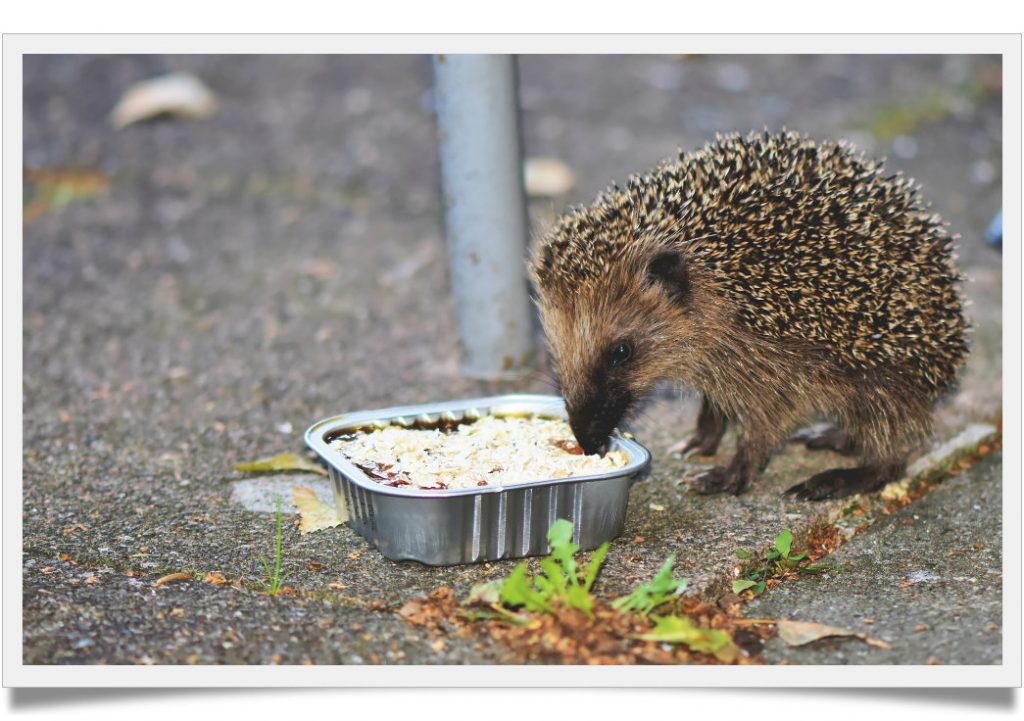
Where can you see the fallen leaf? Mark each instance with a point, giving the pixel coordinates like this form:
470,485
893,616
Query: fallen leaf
281,462
416,611
547,177
798,633
486,593
178,94
52,188
171,578
681,629
316,515
741,585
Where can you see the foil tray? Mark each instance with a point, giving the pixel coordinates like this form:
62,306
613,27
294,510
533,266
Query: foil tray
470,525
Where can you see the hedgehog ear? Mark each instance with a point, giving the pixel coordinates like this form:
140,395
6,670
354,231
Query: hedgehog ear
668,270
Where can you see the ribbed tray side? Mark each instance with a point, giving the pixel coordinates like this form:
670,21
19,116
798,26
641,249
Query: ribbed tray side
487,526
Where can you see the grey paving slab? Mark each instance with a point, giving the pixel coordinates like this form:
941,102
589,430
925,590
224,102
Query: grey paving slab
928,580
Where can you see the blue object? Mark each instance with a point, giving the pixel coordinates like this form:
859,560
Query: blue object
994,234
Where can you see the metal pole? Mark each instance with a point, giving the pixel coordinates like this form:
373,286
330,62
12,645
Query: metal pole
485,211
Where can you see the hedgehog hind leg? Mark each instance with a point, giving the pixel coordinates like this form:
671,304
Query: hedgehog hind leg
882,432
842,482
826,436
711,425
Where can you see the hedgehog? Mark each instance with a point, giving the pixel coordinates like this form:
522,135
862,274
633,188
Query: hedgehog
785,280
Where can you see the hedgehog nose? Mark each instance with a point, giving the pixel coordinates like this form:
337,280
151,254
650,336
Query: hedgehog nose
591,436
591,446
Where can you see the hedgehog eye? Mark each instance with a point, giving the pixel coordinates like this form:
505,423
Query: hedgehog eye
620,354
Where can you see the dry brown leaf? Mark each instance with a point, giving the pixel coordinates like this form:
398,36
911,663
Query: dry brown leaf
178,94
171,578
316,515
798,633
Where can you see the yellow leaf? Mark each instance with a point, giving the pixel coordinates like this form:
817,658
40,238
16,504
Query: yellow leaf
52,188
316,515
281,462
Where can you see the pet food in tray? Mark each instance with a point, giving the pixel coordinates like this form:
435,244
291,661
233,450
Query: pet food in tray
489,451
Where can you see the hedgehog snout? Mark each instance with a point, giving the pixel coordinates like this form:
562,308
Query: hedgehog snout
593,421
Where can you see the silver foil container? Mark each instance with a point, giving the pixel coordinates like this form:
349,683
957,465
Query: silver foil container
469,525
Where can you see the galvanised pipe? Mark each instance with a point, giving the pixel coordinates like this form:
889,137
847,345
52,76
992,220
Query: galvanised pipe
485,211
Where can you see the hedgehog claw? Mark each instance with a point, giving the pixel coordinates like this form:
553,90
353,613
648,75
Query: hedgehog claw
697,444
705,439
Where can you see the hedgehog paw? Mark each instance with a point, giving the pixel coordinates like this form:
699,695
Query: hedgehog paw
838,483
699,444
719,480
825,436
711,424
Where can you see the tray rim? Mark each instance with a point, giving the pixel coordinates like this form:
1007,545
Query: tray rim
639,456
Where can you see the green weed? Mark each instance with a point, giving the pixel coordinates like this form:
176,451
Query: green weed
648,596
275,580
777,560
560,583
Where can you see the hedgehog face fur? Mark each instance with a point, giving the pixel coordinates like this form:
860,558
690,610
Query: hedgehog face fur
616,335
779,277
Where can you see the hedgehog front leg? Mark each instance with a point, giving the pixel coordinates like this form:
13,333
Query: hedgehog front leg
751,457
704,441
